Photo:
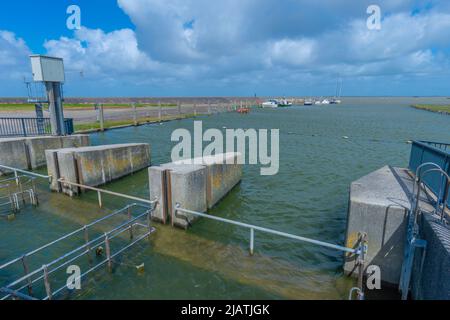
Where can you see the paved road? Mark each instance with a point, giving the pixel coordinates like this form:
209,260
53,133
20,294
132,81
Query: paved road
120,114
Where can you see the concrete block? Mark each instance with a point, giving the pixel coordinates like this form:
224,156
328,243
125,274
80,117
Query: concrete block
102,164
223,173
68,170
13,153
378,206
37,146
75,141
51,157
188,188
94,166
158,191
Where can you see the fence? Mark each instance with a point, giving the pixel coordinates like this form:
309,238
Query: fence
431,152
29,127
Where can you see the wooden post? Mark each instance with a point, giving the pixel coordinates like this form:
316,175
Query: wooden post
48,288
209,107
25,269
195,110
102,118
179,109
160,111
133,105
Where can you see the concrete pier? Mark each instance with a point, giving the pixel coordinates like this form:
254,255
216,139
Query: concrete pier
379,205
94,166
29,153
196,185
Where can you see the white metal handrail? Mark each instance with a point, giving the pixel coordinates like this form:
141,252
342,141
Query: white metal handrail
252,228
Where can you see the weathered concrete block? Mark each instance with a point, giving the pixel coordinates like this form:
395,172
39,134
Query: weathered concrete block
75,141
224,172
37,146
378,206
188,188
51,157
102,164
94,166
68,170
13,153
158,191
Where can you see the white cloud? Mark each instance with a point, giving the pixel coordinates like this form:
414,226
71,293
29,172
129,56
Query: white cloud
14,61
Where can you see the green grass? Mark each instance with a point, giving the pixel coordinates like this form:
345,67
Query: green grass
80,106
433,108
111,124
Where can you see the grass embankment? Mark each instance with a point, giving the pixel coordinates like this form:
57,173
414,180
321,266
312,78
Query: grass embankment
81,106
81,127
433,108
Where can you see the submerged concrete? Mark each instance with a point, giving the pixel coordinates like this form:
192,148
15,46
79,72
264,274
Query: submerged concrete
94,166
28,153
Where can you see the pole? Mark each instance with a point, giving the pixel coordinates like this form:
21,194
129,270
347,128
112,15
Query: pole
160,111
56,108
133,105
102,118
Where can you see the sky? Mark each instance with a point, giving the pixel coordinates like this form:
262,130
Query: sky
144,48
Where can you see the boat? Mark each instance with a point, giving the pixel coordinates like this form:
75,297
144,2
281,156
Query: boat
337,97
270,104
318,102
309,102
243,110
326,101
284,103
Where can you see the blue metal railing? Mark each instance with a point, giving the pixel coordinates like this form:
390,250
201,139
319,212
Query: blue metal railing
29,127
435,152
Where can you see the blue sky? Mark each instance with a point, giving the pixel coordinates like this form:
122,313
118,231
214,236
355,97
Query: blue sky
231,48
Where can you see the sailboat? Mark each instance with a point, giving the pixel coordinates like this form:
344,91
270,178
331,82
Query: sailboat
337,98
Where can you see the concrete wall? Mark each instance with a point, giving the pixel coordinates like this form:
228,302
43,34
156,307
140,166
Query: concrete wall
94,166
378,206
13,153
196,184
433,282
29,153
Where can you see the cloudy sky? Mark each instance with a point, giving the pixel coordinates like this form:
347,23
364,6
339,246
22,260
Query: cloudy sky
231,47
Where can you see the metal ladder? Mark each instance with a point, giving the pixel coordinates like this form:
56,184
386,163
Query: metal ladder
19,189
413,240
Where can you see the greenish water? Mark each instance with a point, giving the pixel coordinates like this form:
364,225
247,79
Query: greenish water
308,197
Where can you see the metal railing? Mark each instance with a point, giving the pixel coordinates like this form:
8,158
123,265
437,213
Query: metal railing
360,251
438,153
29,127
17,190
31,278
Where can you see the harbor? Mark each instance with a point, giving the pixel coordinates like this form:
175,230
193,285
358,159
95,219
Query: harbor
309,197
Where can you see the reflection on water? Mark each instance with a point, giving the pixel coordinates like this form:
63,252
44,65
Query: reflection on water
322,150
